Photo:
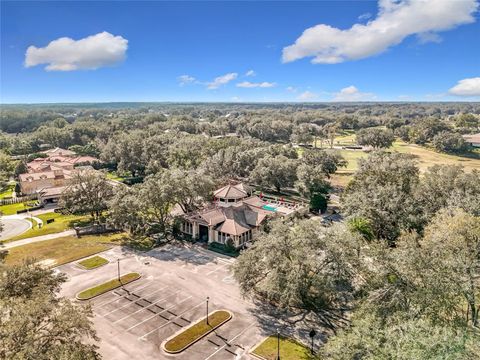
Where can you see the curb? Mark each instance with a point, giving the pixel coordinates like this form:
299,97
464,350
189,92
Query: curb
196,340
93,297
96,267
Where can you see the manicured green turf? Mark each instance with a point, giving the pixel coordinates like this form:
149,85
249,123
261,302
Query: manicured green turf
114,176
289,349
7,191
61,223
196,331
62,250
12,208
93,262
109,285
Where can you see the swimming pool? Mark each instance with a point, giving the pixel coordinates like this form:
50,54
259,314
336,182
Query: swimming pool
269,208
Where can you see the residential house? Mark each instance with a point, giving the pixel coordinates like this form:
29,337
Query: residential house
48,177
473,140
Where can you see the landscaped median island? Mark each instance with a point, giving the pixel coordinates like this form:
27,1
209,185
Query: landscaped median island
183,340
109,285
289,349
93,262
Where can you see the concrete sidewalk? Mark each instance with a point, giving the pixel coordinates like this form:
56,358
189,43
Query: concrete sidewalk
36,239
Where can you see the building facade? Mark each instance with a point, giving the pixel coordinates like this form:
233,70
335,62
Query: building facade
234,217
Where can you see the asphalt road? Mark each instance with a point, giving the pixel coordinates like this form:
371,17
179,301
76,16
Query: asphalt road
13,227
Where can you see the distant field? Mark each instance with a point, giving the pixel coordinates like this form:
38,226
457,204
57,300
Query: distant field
425,157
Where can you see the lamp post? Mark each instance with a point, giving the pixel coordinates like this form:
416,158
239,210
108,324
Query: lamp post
312,335
118,270
278,344
208,298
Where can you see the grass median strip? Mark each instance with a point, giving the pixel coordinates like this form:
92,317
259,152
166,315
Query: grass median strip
195,332
109,285
289,349
93,262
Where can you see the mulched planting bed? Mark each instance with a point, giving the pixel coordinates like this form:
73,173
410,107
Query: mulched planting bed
195,332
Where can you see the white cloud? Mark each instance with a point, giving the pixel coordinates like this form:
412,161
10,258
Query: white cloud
428,37
185,79
365,16
66,54
307,95
351,93
250,73
221,80
292,89
248,84
396,20
466,87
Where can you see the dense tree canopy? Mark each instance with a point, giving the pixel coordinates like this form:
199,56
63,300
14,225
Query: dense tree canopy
383,192
88,193
35,323
375,137
301,265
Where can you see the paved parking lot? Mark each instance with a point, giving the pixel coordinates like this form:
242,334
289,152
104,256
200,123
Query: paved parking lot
171,294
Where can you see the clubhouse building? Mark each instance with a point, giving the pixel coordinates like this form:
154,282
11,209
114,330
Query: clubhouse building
235,216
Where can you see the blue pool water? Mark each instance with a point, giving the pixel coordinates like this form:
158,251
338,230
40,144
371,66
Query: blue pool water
269,207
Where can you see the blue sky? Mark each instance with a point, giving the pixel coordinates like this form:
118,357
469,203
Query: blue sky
139,51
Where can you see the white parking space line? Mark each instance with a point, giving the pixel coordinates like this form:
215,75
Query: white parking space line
218,268
97,306
131,302
232,339
170,321
151,317
146,307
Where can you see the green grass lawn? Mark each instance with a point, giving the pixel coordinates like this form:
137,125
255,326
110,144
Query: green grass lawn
109,285
13,208
114,176
61,223
289,349
425,157
196,331
8,191
93,262
62,250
